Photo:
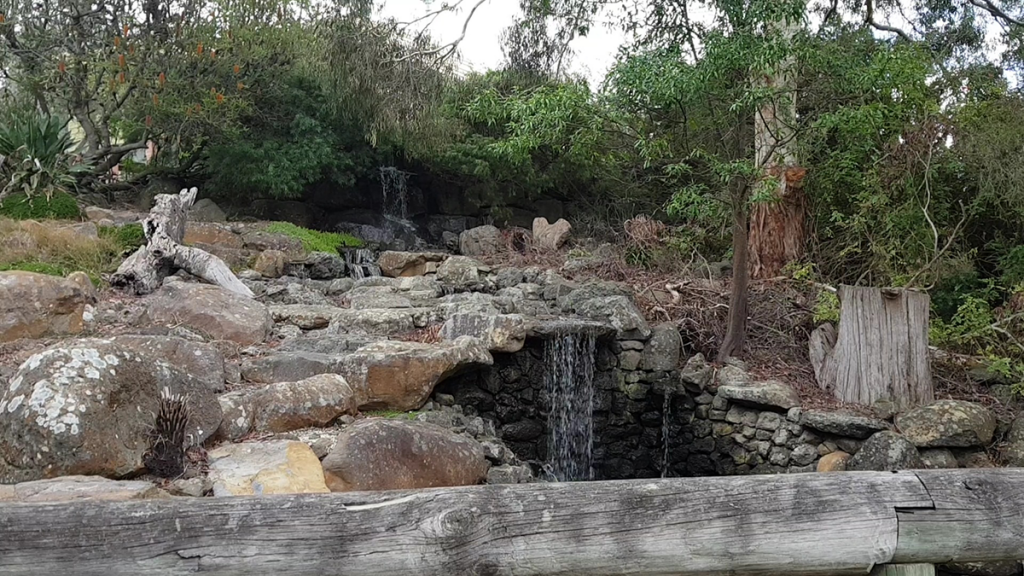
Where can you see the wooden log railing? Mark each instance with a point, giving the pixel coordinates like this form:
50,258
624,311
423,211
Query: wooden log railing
836,523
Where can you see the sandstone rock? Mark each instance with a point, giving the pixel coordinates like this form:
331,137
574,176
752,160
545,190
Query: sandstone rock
290,366
270,263
481,241
285,406
402,264
87,407
206,210
381,454
834,462
948,423
886,451
768,394
378,300
77,489
938,458
36,305
204,362
620,312
211,310
1013,449
509,474
381,322
499,332
397,375
260,240
550,236
294,293
210,234
460,271
842,423
262,468
304,316
663,350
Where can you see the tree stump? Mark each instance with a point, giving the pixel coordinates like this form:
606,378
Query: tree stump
881,350
144,271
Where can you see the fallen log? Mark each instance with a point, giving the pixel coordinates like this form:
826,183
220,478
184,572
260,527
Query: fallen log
164,254
798,524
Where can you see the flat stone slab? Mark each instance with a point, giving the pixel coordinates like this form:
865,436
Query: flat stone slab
768,394
78,488
843,423
553,326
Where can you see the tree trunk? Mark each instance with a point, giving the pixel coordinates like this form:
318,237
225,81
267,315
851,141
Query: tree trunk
881,352
777,231
144,271
735,334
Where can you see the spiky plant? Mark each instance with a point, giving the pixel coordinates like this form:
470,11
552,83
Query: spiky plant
169,441
35,158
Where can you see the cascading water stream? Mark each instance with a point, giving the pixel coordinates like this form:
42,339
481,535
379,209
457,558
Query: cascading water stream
394,187
666,413
569,381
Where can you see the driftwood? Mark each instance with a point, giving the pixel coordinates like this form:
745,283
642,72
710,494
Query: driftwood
881,350
144,271
796,524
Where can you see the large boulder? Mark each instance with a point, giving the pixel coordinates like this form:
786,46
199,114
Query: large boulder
210,234
460,271
886,451
663,349
203,361
499,332
285,406
270,263
381,321
842,423
79,488
263,468
36,305
210,310
618,311
402,264
948,424
550,236
481,241
769,394
206,210
397,375
325,266
88,407
1013,450
382,454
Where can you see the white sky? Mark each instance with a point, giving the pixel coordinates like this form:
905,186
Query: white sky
481,48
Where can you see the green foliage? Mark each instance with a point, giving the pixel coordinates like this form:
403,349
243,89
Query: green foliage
128,237
55,206
826,307
34,156
314,240
392,414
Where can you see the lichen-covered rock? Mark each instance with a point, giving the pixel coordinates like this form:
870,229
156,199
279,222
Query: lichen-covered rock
294,293
263,468
591,290
79,488
938,458
287,366
404,264
285,406
460,272
378,300
481,241
307,317
768,394
548,236
509,474
842,423
949,424
499,332
383,321
1013,449
210,310
663,349
36,305
382,454
324,266
270,263
87,407
697,374
204,362
886,451
834,462
620,313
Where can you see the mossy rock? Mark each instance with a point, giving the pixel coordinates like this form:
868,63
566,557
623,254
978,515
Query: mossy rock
60,206
314,240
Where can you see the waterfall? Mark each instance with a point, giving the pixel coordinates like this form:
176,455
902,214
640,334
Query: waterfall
570,386
666,413
360,263
393,185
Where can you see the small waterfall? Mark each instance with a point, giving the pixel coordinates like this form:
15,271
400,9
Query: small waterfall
394,187
666,413
361,263
570,386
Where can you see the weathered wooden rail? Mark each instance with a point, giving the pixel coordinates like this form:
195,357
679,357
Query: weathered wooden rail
836,523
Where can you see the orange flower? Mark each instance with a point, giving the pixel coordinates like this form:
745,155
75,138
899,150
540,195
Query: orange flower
125,29
241,86
131,49
199,49
237,69
120,77
117,41
149,120
213,54
156,100
162,79
220,98
2,18
120,60
199,107
62,67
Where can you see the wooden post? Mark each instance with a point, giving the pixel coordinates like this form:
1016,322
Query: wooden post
794,524
881,351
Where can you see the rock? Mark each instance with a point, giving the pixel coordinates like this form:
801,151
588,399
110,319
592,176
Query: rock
307,317
834,462
663,350
210,234
620,313
886,451
77,489
593,289
285,406
842,423
262,468
87,407
376,300
260,240
382,454
1013,449
36,305
204,362
324,266
499,332
1003,568
550,237
270,263
938,458
948,423
973,458
397,375
206,210
211,310
509,474
523,430
768,394
295,293
459,271
697,374
116,217
381,322
481,241
803,455
287,366
192,487
340,286
402,264
450,240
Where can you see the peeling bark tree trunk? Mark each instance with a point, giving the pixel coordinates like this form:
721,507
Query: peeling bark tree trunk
777,233
881,352
144,271
736,332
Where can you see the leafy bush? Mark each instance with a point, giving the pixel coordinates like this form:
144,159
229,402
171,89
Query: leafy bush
314,240
57,206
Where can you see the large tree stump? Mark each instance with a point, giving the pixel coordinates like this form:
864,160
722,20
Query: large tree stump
881,350
144,271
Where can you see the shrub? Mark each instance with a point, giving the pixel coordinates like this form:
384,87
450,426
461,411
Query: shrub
50,249
59,206
314,240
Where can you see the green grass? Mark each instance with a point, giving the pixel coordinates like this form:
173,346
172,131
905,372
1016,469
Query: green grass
392,414
61,206
128,237
50,269
316,241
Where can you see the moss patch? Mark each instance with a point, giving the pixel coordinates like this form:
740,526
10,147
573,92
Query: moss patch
61,206
314,240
